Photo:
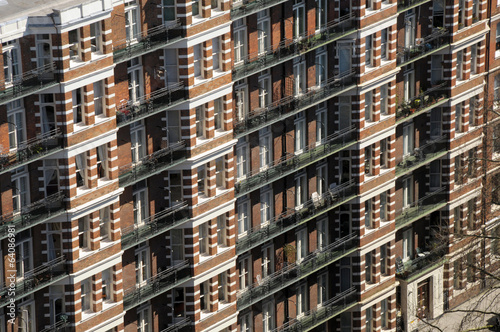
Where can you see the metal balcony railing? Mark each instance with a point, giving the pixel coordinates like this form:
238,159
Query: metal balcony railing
28,83
425,262
432,43
433,97
290,105
154,225
152,164
294,217
183,325
329,309
421,208
404,5
296,271
32,214
291,163
422,155
36,279
61,325
33,149
147,41
149,104
244,8
156,285
289,48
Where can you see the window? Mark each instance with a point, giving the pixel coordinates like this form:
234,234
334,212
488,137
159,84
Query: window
438,13
300,191
54,241
302,244
345,322
81,169
268,316
436,69
98,98
222,286
345,274
86,294
457,271
407,192
299,76
471,207
321,179
460,57
299,20
198,61
267,261
302,300
383,260
74,45
384,314
171,67
368,214
321,124
11,62
141,266
265,90
472,111
242,163
218,114
410,28
368,105
195,7
241,92
77,106
368,50
384,45
135,85
137,140
407,244
15,119
221,230
368,160
132,26
409,82
20,189
102,161
51,176
322,288
471,261
104,223
107,285
175,186
461,13
216,53
435,174
471,168
266,205
239,39
408,134
201,180
95,37
84,233
246,323
322,233
205,296
345,55
473,59
369,319
48,112
178,302
143,320
245,268
24,261
140,201
169,10
435,123
219,173
57,305
495,242
383,206
263,31
300,132
243,217
458,170
345,112
203,239
384,159
369,4
497,90
265,148
321,66
458,220
458,117
321,14
177,244
384,95
368,267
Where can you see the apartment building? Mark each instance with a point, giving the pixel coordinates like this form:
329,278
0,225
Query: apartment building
270,165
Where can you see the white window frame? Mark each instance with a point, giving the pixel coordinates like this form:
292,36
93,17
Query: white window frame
241,95
408,139
265,90
137,141
177,245
242,160
302,237
245,272
244,217
263,31
322,233
12,62
47,106
267,263
322,179
221,231
144,321
322,291
301,191
169,7
142,266
135,80
321,14
140,206
20,189
239,39
266,205
265,148
86,295
132,21
24,261
203,239
268,316
321,66
84,233
435,174
300,129
302,300
299,76
407,192
407,244
321,124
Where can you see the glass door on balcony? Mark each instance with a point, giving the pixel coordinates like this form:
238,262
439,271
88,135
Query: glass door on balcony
24,259
408,144
299,76
177,245
345,167
302,244
409,83
48,113
299,20
51,176
241,93
171,68
407,192
142,266
409,28
321,14
11,63
20,192
137,139
438,13
140,206
239,39
423,299
345,274
345,112
16,124
345,53
132,26
407,244
263,31
175,187
54,240
44,53
173,127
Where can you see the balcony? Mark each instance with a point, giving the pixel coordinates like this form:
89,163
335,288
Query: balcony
329,309
290,48
244,8
404,5
156,285
283,167
424,154
32,214
421,208
154,225
422,103
432,43
61,325
152,103
147,41
294,272
36,279
29,83
183,325
290,105
292,218
33,149
427,261
152,164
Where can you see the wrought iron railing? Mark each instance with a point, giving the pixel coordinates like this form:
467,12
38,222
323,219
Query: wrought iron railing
32,214
28,83
312,318
404,5
152,164
290,48
425,101
294,272
419,209
422,155
244,8
149,104
156,285
36,279
154,225
147,41
33,149
290,105
182,325
291,163
61,325
429,44
423,262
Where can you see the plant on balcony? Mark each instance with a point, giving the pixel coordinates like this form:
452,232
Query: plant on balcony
416,103
289,253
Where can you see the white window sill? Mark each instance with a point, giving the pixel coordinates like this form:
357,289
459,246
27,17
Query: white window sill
84,253
497,54
80,126
217,133
202,198
220,250
207,314
86,315
83,190
199,80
